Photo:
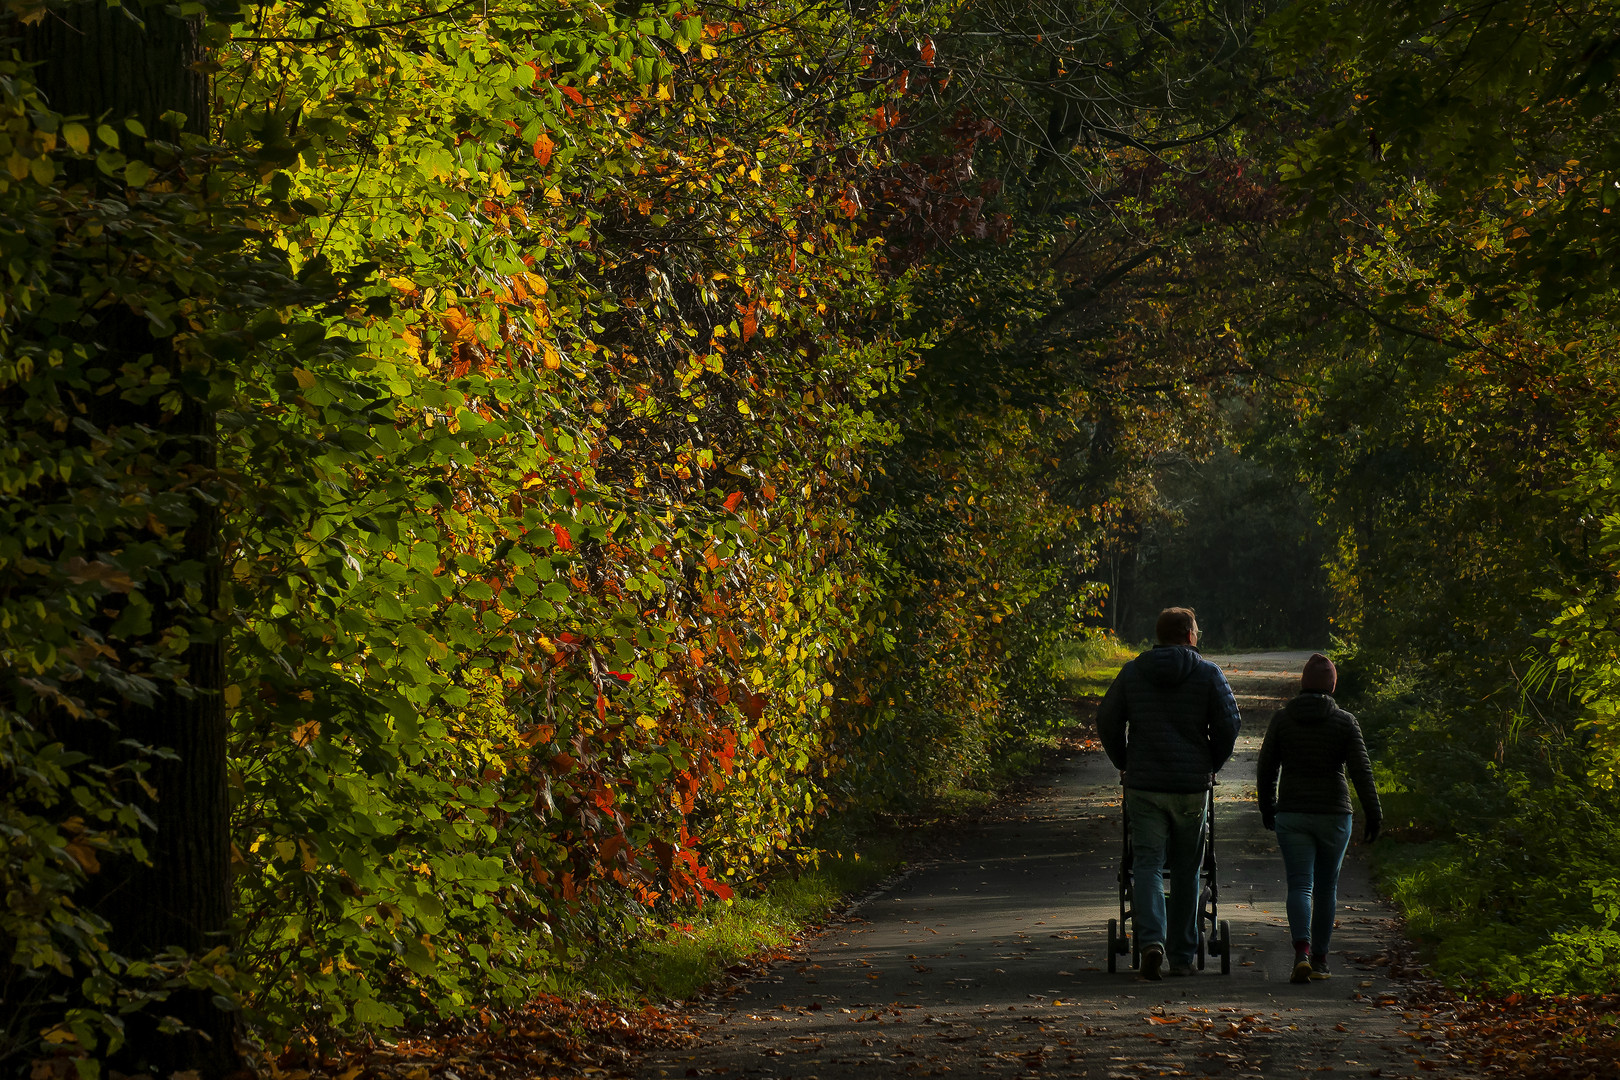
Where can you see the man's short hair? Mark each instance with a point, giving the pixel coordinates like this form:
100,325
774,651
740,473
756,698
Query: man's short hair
1175,624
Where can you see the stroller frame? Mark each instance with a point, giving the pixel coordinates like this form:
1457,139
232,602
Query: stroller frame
1214,933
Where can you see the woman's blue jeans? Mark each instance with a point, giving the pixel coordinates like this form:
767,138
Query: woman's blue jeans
1313,847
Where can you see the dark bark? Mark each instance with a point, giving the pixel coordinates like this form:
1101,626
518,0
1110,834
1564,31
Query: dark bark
122,61
104,63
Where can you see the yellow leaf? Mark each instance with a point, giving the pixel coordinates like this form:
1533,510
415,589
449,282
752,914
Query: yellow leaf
233,696
306,379
17,166
77,136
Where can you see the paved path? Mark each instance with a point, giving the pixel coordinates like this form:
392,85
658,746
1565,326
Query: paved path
990,961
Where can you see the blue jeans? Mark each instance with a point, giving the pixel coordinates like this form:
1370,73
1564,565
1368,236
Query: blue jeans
1167,833
1313,847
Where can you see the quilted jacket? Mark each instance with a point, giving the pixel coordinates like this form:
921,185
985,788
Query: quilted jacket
1312,742
1169,720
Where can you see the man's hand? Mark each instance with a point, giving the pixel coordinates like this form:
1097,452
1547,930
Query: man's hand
1374,826
1269,821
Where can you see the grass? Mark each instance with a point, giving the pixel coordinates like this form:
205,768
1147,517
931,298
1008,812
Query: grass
1089,666
692,952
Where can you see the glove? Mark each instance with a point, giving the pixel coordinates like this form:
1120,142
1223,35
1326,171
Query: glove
1374,825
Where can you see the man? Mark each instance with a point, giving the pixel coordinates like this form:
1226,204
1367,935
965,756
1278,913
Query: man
1168,723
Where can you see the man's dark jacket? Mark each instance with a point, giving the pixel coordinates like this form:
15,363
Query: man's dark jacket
1169,720
1312,742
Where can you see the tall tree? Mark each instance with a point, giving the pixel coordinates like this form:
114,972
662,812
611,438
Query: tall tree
142,70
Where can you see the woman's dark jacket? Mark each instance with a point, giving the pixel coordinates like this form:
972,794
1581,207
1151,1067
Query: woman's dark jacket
1312,742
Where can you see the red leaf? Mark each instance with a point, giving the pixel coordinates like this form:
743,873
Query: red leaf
578,98
543,146
564,541
733,499
601,707
927,51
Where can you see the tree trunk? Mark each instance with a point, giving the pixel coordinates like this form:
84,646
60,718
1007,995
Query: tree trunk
99,61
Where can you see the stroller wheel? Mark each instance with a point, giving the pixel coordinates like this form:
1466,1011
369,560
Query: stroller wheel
1225,938
1113,953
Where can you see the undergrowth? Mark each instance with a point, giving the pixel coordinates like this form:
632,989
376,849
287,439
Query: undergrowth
1085,668
1503,858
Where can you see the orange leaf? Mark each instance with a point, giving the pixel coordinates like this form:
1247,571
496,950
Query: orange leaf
1164,1019
564,541
543,146
927,51
601,707
575,95
84,855
733,499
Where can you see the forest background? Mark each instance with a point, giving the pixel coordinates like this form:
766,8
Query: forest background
480,479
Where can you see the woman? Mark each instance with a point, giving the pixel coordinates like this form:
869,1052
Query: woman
1311,741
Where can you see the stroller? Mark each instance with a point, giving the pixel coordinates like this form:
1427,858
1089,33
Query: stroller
1214,934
